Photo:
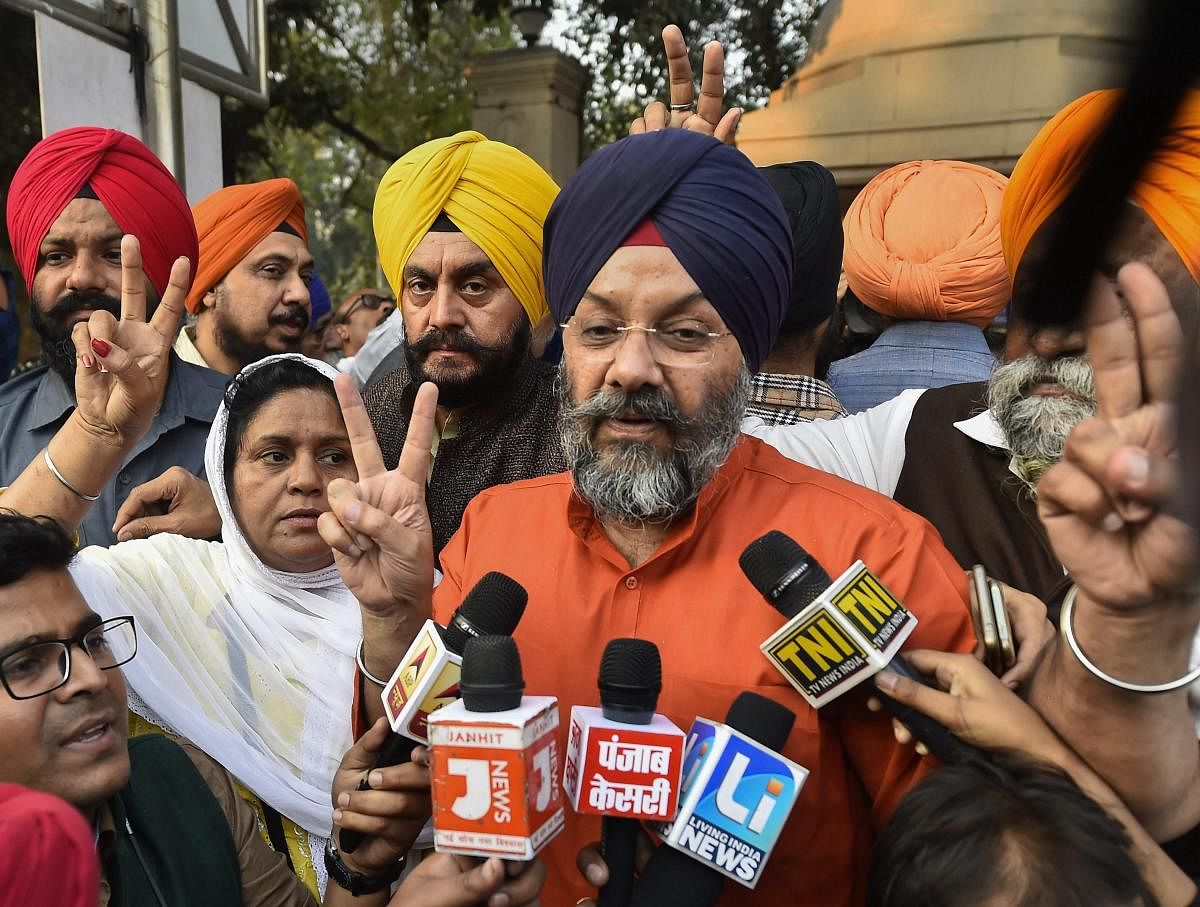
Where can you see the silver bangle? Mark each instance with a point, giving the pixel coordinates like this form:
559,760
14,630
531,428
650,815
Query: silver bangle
90,498
363,668
1068,610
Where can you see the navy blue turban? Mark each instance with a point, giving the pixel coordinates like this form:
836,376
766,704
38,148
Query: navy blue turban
810,199
713,209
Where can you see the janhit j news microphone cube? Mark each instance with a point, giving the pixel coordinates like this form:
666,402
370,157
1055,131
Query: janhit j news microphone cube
495,790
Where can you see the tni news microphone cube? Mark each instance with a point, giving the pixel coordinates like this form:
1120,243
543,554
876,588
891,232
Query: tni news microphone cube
425,680
737,795
495,790
625,770
849,633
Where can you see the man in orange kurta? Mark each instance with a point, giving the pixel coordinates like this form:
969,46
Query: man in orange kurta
669,300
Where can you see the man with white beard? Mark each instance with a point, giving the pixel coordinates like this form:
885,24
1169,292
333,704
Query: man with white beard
967,457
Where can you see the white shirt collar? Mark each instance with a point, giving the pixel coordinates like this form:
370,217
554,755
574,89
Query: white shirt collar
985,429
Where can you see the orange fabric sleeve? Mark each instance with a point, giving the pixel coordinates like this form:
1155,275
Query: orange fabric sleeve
915,566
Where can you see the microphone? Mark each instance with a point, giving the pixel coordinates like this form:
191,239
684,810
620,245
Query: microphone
494,760
427,677
623,760
839,633
737,794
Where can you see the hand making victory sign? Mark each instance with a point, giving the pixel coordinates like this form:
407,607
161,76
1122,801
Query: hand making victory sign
123,364
378,527
1107,505
686,111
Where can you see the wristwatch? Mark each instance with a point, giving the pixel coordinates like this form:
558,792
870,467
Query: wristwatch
358,883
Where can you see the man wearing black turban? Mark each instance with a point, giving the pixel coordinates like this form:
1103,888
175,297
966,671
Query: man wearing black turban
668,260
791,388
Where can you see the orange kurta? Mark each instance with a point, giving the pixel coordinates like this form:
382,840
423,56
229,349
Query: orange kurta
693,601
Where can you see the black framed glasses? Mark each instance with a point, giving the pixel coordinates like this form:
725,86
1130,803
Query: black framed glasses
42,667
371,301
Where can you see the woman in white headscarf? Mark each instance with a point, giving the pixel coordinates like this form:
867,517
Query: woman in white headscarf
248,646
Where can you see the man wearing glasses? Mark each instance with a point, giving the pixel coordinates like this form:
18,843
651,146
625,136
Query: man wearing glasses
668,263
170,829
359,314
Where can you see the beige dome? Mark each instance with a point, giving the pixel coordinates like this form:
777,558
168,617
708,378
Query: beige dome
888,81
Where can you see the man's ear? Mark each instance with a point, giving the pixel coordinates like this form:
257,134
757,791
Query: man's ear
209,300
542,332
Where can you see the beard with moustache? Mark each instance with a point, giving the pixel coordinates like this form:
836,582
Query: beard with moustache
494,365
58,352
634,482
1037,426
242,349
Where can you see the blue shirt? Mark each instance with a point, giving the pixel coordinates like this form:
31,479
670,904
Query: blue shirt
911,354
34,405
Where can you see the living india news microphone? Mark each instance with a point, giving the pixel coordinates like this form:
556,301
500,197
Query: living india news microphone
839,633
494,760
623,760
737,794
427,677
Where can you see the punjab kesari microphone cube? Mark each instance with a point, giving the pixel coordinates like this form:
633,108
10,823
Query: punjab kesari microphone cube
618,769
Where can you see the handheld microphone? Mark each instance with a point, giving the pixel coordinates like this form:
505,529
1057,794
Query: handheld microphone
623,760
494,761
737,794
427,677
839,633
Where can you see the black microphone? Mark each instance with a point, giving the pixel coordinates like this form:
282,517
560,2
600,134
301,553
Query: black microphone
493,607
630,681
790,579
672,876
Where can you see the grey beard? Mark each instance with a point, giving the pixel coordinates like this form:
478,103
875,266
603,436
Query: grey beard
1037,427
634,482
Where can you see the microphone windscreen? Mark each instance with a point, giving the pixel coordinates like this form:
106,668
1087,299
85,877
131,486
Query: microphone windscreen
492,608
491,679
761,719
630,675
786,575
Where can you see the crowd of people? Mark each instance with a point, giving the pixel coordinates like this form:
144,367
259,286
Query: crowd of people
228,507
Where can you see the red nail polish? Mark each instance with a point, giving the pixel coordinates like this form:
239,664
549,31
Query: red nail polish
101,347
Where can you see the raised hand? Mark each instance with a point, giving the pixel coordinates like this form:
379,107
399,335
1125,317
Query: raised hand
177,502
686,111
123,365
378,527
1107,505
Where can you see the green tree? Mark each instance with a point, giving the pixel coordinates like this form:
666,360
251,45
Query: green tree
620,42
354,85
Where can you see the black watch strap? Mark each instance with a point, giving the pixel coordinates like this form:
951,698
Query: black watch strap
356,882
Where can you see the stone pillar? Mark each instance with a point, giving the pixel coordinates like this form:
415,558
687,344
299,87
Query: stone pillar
532,98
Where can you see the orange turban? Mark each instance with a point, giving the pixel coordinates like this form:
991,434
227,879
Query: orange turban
923,243
1168,189
234,220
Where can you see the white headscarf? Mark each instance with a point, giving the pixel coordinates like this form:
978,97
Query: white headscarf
253,665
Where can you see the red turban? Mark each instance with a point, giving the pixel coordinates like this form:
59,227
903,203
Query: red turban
234,220
47,852
135,188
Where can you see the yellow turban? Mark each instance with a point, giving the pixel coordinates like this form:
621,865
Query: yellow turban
1168,189
923,243
496,195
